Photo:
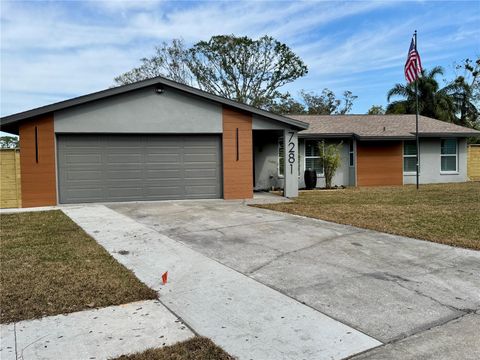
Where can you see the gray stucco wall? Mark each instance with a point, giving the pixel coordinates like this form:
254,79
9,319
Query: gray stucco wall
142,111
430,164
262,123
266,163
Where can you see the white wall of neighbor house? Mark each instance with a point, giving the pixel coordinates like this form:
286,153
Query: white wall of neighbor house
430,163
266,163
143,111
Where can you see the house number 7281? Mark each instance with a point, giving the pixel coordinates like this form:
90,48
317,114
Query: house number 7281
291,151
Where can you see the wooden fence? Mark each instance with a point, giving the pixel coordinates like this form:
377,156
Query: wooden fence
10,191
473,168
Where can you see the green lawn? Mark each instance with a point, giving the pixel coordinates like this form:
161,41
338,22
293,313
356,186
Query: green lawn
50,266
198,348
443,213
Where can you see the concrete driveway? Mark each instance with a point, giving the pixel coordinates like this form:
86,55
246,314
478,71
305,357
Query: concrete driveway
419,298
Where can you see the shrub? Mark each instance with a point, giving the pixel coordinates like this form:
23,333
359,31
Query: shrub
330,157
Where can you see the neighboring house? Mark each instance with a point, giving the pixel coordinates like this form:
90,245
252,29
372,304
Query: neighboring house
158,139
376,150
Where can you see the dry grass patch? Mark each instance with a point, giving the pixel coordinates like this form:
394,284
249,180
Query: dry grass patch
198,348
50,266
443,213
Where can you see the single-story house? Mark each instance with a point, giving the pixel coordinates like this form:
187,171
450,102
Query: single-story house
158,139
376,150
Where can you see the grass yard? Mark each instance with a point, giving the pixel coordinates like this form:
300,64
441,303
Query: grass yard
198,348
50,266
443,213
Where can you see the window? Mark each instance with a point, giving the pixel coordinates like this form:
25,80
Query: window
409,156
448,155
312,156
351,154
281,157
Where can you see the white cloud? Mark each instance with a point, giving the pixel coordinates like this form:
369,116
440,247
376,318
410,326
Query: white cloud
51,51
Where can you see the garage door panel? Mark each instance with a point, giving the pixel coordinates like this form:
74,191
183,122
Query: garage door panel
199,191
124,174
164,158
85,194
123,158
124,192
84,158
200,173
198,182
96,167
164,174
162,193
83,175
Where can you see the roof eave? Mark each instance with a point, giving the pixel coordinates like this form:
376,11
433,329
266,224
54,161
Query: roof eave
325,135
449,134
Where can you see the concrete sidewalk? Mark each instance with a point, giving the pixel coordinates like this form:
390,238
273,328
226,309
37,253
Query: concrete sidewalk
246,318
93,334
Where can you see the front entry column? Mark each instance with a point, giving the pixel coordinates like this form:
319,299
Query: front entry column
290,144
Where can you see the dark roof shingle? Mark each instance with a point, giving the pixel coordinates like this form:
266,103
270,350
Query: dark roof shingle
380,126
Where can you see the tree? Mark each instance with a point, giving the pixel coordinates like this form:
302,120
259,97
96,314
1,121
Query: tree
326,103
330,157
245,70
238,68
465,93
432,101
8,142
287,105
170,61
376,110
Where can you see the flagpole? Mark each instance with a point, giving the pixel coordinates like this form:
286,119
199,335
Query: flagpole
416,113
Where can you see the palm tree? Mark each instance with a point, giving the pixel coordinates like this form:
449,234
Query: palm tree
432,101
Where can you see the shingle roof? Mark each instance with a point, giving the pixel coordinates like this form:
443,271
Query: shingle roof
380,126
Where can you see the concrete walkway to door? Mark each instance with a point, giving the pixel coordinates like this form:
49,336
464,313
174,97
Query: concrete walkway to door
249,320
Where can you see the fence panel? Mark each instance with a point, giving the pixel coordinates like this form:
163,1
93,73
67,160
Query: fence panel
473,162
10,191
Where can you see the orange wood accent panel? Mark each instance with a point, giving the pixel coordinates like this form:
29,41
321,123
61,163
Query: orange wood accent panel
237,174
379,163
38,179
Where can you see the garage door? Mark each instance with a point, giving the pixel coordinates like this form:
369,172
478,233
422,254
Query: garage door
97,168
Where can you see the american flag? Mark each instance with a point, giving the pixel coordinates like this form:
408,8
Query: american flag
413,66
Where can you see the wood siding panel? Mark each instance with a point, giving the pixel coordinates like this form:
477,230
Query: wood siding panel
10,196
379,163
473,161
237,174
38,179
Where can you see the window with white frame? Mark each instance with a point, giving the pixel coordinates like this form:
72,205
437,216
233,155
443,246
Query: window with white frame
281,158
312,156
409,156
351,154
449,155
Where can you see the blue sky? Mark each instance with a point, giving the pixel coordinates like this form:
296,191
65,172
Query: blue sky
55,50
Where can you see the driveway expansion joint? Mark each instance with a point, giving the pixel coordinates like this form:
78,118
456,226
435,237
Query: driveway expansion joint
320,242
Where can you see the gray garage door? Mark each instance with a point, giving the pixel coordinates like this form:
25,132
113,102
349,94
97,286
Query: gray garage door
96,168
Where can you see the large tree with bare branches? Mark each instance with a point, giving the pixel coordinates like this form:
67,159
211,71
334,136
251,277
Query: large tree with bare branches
238,68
